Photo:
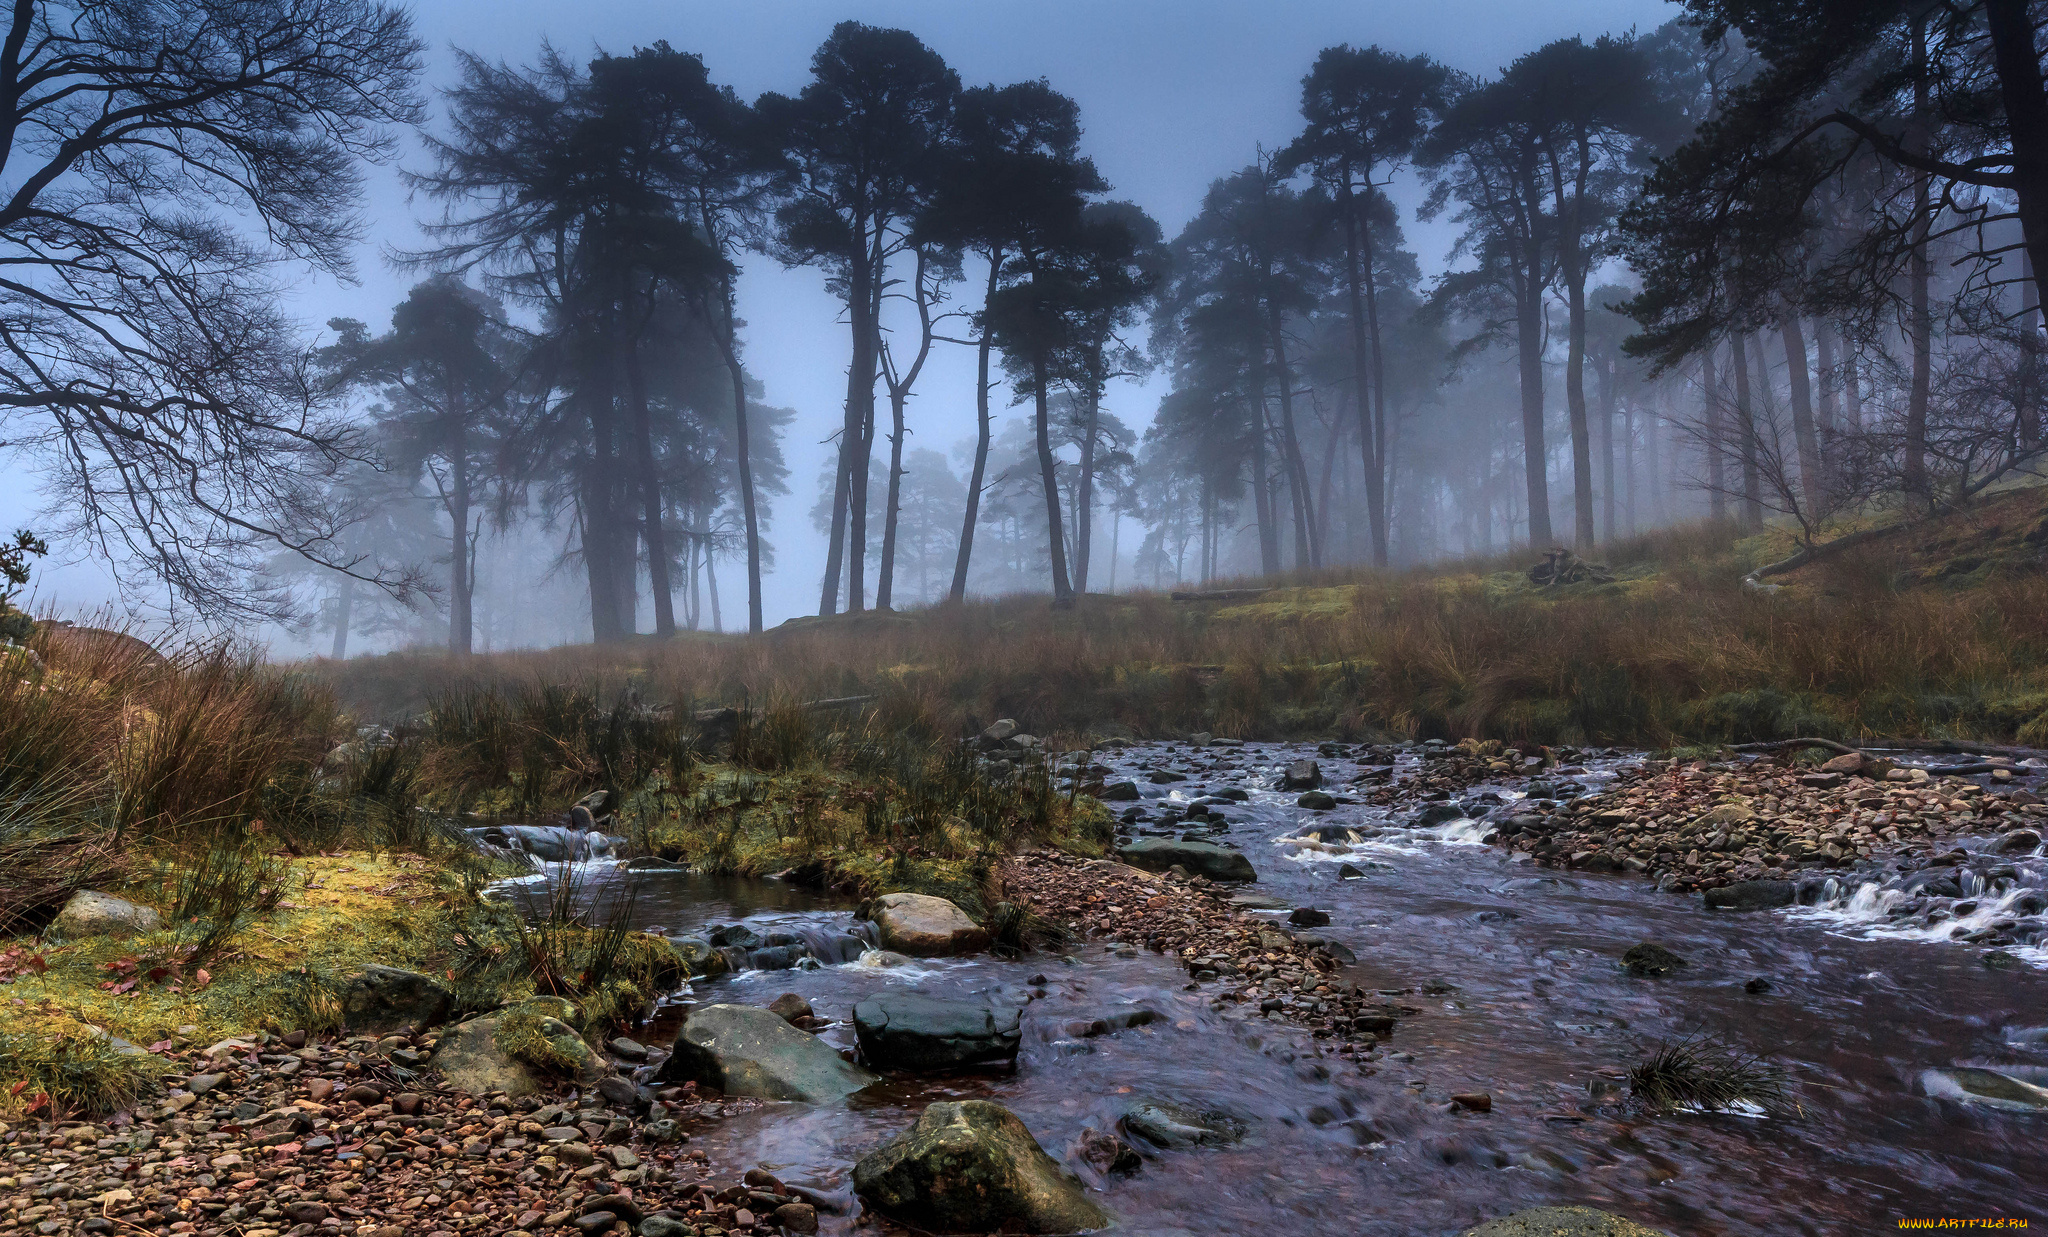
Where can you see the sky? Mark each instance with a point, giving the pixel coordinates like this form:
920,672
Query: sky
1173,94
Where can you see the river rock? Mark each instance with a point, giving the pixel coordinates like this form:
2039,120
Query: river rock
700,955
1562,1222
926,927
1309,917
1847,762
1176,1126
790,1007
1752,896
1650,958
909,1031
1439,813
1218,863
1990,1088
385,998
1316,801
91,913
1302,775
1119,792
745,1050
2018,842
971,1166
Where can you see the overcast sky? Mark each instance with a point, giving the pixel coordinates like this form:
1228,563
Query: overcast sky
1173,94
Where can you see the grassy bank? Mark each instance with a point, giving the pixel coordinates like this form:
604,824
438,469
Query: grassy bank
284,846
1942,633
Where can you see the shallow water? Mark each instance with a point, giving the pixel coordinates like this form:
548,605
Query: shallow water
1514,969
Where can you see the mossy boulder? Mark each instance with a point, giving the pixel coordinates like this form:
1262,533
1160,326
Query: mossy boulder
1563,1222
971,1166
385,998
472,1061
515,1049
743,1050
91,913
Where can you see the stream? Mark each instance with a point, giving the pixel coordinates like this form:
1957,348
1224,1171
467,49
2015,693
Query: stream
1514,969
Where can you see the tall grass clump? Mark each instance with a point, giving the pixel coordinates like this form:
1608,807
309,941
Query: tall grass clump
1702,1074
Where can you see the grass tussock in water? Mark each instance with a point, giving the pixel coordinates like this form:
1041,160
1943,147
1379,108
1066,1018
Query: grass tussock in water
1676,649
1702,1074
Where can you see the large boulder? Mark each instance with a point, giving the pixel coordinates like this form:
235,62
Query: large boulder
971,1166
742,1050
385,998
1752,896
926,927
1562,1222
90,913
1218,863
907,1031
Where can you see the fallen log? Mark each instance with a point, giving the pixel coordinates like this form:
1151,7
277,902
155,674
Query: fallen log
1787,744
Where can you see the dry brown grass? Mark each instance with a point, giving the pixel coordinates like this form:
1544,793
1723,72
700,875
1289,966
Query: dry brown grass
1678,649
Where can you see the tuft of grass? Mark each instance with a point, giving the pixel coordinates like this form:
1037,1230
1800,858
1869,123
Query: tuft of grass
67,1075
1702,1074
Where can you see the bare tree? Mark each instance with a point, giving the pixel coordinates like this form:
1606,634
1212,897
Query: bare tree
162,159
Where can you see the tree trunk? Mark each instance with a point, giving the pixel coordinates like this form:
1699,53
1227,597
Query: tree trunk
1062,588
975,481
886,577
2028,412
743,457
1745,427
1372,406
1323,486
1306,551
598,524
1920,318
1852,390
849,498
650,497
1262,497
2020,83
1716,435
1608,381
1084,493
1575,404
344,609
1535,456
1812,487
461,575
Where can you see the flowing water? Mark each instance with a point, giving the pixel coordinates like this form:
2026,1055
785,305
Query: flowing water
1514,969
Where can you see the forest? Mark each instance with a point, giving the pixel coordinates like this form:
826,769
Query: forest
1737,268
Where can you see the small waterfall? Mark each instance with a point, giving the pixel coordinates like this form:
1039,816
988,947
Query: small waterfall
802,949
